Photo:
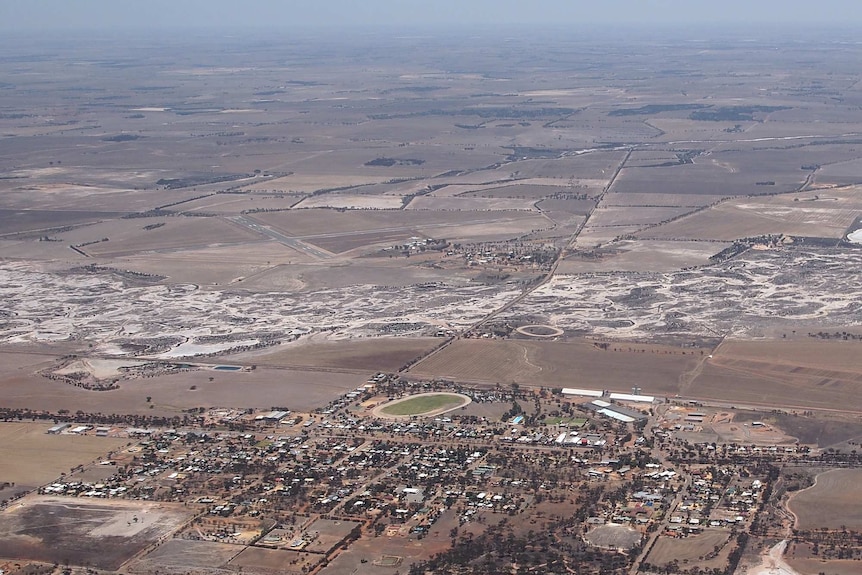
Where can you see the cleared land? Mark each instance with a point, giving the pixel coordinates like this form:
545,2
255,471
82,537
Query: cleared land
689,549
655,368
831,503
376,354
82,532
303,390
794,373
31,457
823,214
179,554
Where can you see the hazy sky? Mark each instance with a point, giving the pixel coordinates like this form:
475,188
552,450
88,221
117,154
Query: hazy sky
95,14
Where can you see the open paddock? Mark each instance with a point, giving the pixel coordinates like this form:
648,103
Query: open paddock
802,374
374,554
328,533
632,216
828,216
643,256
381,271
592,236
101,534
309,223
578,207
265,561
462,203
222,265
820,429
14,222
659,199
338,244
127,237
300,390
518,191
831,503
692,549
180,554
820,567
352,201
386,354
307,182
30,457
231,204
73,199
655,368
707,176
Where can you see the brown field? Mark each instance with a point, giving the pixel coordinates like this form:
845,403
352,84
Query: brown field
828,217
818,566
579,207
83,199
259,560
524,191
628,216
822,430
127,237
655,368
264,387
344,243
78,531
831,503
687,549
177,554
236,203
785,373
219,265
380,354
372,549
719,174
657,256
352,201
591,237
13,222
302,223
615,198
470,203
30,457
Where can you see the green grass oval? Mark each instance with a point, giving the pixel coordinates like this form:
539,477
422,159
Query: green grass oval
423,404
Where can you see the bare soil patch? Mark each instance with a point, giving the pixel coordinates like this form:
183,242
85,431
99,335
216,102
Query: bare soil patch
102,534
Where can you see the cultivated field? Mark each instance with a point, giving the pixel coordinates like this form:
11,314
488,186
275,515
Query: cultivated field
171,393
794,373
831,503
375,354
657,369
